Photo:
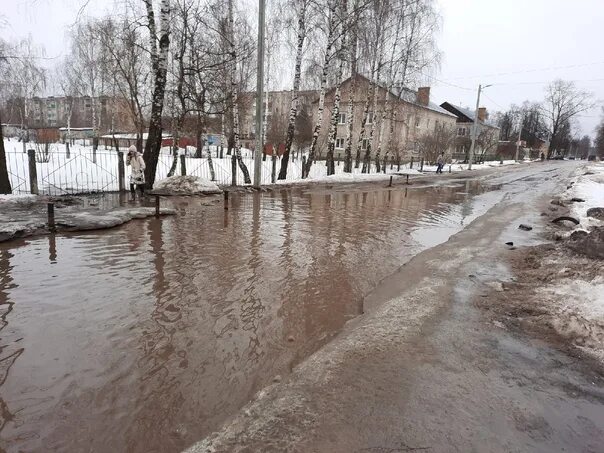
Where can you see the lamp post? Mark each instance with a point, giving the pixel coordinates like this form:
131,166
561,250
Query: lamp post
519,135
259,92
475,128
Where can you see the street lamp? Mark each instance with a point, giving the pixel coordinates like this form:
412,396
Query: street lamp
259,91
475,128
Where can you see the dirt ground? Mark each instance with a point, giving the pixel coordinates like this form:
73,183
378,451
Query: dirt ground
548,278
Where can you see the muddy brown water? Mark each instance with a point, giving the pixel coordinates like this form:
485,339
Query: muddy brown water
149,336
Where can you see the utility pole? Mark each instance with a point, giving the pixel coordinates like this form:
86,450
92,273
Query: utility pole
259,100
475,128
518,142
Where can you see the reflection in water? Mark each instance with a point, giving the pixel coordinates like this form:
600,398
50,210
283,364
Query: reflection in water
147,337
9,352
52,248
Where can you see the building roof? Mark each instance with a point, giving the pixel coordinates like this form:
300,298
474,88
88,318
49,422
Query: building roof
408,95
464,114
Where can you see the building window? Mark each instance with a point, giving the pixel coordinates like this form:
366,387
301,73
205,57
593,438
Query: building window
342,118
369,118
339,143
418,121
436,126
365,143
461,131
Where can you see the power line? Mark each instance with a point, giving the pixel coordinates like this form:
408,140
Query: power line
551,68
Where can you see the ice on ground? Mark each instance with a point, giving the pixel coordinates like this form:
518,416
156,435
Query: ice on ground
185,185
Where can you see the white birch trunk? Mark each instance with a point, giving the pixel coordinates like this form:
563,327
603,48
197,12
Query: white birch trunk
317,129
293,111
234,96
367,158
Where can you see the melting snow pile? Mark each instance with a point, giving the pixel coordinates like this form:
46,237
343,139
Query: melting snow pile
185,185
579,301
588,186
581,315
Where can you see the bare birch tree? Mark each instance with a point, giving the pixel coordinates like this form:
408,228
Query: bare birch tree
301,7
159,43
326,61
235,93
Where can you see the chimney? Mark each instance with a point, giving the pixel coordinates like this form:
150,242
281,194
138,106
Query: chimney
423,95
482,114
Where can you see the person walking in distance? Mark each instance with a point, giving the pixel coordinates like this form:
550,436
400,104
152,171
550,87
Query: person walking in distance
440,163
137,173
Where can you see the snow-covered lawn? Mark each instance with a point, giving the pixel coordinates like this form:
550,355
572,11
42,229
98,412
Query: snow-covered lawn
84,172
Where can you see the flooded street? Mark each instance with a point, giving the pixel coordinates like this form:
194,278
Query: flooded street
149,336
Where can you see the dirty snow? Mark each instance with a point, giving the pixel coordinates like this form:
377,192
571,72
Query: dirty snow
185,185
580,307
16,198
589,186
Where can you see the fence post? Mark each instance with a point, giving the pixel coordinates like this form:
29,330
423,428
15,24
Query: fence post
273,169
33,172
303,166
421,165
411,164
95,145
233,170
384,165
390,185
51,216
67,151
226,200
156,205
183,165
121,172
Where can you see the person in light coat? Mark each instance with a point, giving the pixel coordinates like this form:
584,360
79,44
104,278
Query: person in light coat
137,174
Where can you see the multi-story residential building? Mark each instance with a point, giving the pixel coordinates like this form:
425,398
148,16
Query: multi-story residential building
488,133
77,112
403,122
277,114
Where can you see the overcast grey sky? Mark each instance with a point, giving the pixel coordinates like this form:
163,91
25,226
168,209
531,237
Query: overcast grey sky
516,45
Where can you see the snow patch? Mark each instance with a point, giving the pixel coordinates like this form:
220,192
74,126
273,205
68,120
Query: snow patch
185,185
589,186
581,316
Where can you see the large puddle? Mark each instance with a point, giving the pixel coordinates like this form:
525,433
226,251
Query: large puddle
148,337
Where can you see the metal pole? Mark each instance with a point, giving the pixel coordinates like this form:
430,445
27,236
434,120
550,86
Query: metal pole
259,91
518,142
474,130
51,217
